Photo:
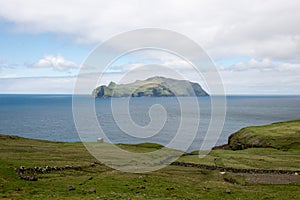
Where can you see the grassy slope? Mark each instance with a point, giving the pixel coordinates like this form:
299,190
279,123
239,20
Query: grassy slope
172,182
282,135
256,158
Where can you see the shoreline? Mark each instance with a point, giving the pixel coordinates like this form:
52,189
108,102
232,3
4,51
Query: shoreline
225,146
35,169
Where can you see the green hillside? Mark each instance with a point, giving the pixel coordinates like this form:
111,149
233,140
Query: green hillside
151,87
282,135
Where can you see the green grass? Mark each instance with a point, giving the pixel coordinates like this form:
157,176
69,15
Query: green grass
172,182
282,135
255,158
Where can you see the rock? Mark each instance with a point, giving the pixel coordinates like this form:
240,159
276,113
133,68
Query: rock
90,178
228,191
22,169
71,188
29,178
32,178
100,140
296,174
141,187
204,188
92,190
222,173
170,188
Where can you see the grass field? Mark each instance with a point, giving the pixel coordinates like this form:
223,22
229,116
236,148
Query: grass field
173,182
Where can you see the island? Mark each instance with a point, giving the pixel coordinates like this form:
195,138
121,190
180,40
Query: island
152,87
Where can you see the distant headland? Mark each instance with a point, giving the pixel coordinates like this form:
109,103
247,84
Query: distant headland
152,87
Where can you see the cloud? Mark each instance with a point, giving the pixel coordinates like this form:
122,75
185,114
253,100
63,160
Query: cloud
262,83
261,76
234,81
57,63
265,31
146,59
253,76
37,85
4,65
241,27
263,65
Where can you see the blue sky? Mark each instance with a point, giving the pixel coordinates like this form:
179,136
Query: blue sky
255,45
20,50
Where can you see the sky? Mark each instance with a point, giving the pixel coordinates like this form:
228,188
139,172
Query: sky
255,45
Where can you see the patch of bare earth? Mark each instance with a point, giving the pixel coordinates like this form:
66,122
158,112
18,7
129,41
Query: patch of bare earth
271,178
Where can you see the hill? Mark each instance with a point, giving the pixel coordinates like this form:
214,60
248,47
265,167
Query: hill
152,87
281,135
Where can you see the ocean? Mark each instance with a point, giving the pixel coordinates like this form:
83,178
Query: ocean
50,117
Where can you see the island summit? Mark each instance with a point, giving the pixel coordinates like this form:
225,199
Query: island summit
152,87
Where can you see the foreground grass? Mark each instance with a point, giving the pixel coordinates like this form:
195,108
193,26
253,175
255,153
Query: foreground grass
253,158
101,182
277,146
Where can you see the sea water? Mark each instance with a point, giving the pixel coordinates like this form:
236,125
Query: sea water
50,117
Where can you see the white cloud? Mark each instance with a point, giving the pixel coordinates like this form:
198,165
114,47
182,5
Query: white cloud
37,85
265,31
252,81
239,27
264,65
264,83
4,65
56,63
261,76
146,59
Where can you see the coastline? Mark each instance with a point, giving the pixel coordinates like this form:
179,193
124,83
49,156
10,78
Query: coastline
64,170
